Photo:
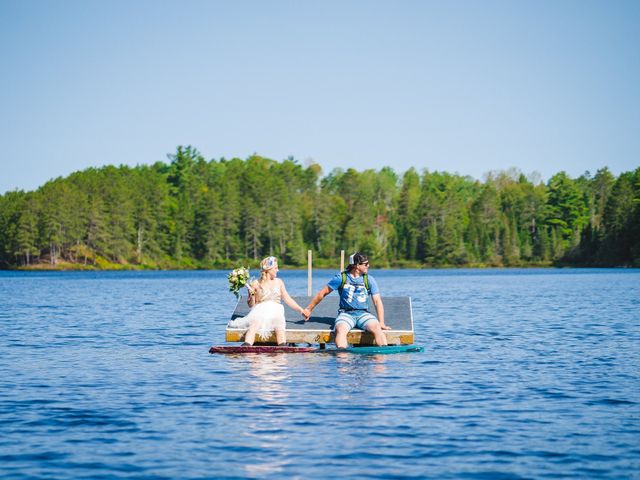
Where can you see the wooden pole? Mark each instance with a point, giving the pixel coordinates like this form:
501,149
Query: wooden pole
342,260
309,269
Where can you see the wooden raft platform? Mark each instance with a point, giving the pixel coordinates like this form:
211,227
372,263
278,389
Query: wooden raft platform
397,313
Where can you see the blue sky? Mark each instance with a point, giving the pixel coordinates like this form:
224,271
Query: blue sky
460,86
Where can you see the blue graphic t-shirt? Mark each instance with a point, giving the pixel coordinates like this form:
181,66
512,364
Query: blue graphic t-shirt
354,294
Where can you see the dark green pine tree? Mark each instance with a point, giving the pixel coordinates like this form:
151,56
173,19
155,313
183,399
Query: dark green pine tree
406,216
621,219
567,213
27,231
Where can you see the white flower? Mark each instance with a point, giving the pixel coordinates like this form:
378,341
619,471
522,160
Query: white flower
238,278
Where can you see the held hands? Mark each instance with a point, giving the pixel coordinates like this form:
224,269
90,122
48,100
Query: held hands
306,313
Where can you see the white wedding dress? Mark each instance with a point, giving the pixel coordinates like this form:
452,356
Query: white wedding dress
267,314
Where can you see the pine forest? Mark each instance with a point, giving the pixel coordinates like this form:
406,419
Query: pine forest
195,213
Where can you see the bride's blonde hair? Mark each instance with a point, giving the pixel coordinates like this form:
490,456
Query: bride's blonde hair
266,265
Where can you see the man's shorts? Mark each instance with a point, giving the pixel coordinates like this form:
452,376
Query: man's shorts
354,318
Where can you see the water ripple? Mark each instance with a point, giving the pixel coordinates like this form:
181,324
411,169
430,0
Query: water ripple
526,374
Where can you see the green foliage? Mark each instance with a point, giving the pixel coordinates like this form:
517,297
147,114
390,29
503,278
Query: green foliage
194,213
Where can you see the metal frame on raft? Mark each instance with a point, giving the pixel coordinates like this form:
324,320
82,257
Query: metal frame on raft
398,315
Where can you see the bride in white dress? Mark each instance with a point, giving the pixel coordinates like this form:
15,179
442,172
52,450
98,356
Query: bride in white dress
267,312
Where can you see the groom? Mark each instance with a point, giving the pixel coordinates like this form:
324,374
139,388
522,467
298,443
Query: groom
354,285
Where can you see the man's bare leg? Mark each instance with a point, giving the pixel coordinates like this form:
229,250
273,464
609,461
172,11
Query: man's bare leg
378,333
341,335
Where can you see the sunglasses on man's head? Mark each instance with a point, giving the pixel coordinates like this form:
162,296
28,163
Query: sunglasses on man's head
366,264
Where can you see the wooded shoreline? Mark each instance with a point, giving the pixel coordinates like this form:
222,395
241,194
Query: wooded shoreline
63,267
193,213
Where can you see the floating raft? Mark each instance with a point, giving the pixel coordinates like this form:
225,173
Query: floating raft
397,313
260,349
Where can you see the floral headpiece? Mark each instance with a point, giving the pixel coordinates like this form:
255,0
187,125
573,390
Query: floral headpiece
269,262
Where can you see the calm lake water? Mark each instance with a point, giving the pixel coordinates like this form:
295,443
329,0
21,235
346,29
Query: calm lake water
525,374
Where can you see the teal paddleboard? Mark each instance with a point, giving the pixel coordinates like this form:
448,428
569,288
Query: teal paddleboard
372,350
376,350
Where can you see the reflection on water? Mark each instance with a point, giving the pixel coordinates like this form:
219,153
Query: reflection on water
268,375
268,380
375,364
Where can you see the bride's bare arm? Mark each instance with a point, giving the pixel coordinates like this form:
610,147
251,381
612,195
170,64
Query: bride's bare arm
253,292
288,300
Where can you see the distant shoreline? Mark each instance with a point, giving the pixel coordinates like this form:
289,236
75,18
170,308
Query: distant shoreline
194,213
64,267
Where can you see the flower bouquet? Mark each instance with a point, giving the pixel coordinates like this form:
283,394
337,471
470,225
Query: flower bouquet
238,278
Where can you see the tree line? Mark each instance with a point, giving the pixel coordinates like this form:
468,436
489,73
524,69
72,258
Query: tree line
194,213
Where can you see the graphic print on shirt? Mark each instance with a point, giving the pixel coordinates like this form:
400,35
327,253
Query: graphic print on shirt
359,291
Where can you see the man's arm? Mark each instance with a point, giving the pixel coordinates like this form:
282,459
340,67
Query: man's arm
377,301
324,291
